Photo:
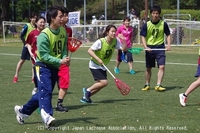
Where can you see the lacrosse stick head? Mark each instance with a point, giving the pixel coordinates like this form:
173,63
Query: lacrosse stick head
123,88
73,44
135,50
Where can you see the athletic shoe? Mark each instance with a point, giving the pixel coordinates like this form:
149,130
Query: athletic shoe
19,116
15,79
183,99
146,87
132,72
34,91
83,100
117,71
60,108
86,94
159,88
50,123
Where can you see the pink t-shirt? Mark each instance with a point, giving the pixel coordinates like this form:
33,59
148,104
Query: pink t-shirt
127,33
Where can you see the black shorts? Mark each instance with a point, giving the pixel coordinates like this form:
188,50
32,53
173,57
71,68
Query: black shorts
25,54
99,74
198,71
155,56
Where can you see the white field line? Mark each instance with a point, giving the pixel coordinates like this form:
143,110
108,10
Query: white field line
171,63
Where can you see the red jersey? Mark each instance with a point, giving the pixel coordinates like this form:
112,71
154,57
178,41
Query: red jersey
63,73
32,40
68,30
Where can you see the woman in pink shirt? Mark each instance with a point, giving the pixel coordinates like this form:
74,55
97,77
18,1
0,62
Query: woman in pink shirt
125,33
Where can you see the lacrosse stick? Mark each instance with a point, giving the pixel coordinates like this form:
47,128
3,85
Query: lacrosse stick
123,57
122,87
138,50
73,45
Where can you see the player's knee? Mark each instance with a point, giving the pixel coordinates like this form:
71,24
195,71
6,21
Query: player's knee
104,83
161,66
21,61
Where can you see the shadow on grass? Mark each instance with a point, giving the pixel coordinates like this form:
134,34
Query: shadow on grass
127,72
75,107
116,100
56,93
82,120
173,87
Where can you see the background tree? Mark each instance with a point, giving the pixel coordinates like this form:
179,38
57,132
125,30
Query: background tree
5,10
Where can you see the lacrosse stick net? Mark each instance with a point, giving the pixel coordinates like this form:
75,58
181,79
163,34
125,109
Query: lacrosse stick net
122,87
73,44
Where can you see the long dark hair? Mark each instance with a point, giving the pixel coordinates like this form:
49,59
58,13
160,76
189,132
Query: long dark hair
108,29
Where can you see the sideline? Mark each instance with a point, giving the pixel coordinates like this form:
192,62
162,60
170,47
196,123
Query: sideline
171,63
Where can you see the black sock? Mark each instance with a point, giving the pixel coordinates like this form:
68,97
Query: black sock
60,101
184,95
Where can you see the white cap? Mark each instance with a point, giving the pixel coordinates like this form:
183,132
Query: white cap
93,16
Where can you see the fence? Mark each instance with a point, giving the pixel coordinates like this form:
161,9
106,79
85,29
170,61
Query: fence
184,32
86,33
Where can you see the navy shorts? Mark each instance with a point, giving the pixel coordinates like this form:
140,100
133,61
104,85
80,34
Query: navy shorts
128,56
99,74
25,54
155,56
198,71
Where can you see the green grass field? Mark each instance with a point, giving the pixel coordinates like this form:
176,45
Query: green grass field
139,112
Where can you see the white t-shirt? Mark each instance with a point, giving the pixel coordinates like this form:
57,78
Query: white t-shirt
94,21
97,46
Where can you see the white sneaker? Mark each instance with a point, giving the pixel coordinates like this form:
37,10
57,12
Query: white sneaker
19,116
34,91
49,121
182,99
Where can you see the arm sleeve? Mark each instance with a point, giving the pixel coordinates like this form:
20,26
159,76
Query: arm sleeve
166,29
118,45
143,32
96,45
118,31
23,33
29,39
43,50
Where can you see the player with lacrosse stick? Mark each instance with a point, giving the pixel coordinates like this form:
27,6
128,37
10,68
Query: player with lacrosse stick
64,70
101,52
152,34
31,44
